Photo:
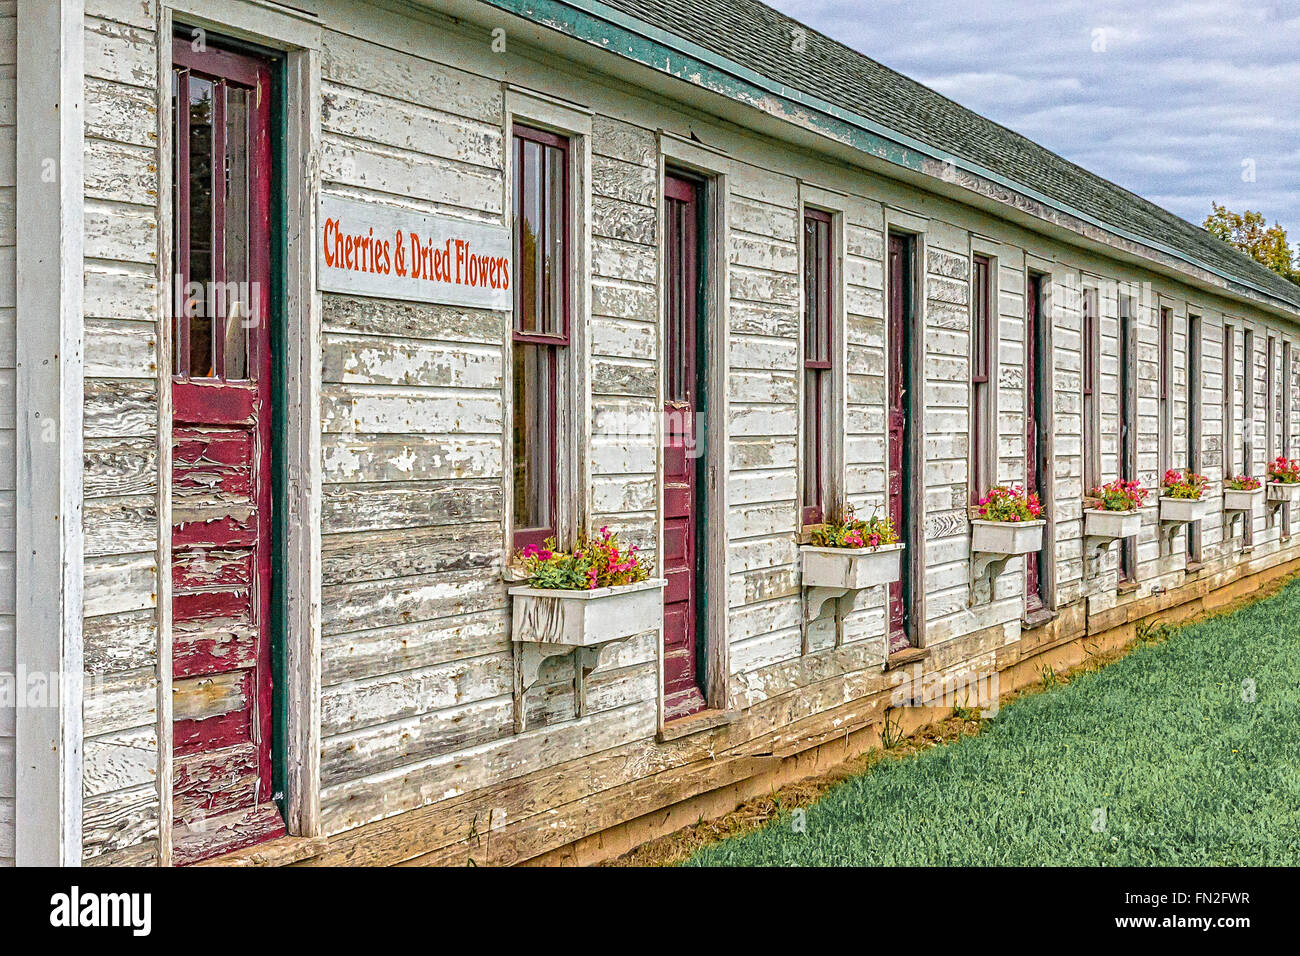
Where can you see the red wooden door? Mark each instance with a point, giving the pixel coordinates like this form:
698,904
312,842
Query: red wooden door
682,691
900,307
221,458
1033,453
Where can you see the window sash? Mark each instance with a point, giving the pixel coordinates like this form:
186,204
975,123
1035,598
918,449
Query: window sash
535,424
1248,401
216,203
980,339
1270,398
1284,390
541,327
818,291
1228,366
1091,458
680,204
982,418
818,381
1166,350
541,192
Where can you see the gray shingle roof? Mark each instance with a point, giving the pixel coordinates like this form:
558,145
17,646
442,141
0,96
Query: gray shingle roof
759,38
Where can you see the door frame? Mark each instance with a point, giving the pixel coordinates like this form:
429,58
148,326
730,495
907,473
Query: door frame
685,156
295,345
902,223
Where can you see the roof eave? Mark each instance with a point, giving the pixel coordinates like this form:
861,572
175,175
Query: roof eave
618,33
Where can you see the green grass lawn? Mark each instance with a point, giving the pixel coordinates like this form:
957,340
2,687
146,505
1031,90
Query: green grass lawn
1188,770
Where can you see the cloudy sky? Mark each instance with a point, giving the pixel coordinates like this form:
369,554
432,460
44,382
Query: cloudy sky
1184,103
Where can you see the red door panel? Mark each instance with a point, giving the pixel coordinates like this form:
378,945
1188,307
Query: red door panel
900,287
221,457
682,687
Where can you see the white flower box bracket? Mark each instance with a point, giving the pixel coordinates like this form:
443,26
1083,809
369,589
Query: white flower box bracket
1239,499
1280,493
550,623
993,544
1101,528
831,573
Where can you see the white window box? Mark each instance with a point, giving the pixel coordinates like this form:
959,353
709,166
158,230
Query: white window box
1183,510
831,573
1283,493
548,623
992,544
1236,499
1006,537
1099,523
586,618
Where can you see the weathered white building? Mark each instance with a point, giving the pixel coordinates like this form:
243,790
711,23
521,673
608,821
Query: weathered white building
314,311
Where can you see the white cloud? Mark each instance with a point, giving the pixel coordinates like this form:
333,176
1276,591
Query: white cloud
1182,93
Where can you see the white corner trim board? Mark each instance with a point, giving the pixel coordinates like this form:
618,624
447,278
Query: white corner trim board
48,568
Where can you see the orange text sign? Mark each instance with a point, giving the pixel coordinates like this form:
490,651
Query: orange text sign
373,249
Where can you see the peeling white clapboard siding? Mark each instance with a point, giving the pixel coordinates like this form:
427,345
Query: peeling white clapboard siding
416,652
120,428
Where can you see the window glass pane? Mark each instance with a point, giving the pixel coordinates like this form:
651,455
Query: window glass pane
236,309
179,363
554,265
979,334
676,304
534,448
814,455
817,284
540,204
200,225
810,287
527,226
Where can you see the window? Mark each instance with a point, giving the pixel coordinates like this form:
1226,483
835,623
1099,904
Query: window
1229,450
1284,392
1248,417
818,367
1166,377
216,208
1270,398
541,326
1091,469
981,374
1248,402
1194,423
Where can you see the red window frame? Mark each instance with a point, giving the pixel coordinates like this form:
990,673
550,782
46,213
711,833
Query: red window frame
221,69
530,172
818,361
980,367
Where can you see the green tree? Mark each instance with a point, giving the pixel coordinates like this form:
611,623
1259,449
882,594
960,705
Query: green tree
1251,233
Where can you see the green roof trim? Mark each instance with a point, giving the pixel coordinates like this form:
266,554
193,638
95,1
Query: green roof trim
670,52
